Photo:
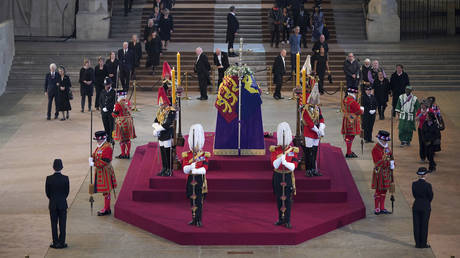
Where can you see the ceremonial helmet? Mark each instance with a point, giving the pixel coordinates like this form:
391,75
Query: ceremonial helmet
166,75
100,135
307,65
352,89
284,130
383,135
313,98
196,137
162,97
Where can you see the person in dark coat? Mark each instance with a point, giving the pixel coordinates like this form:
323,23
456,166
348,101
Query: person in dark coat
398,82
108,99
153,49
57,190
369,103
275,19
304,24
321,43
421,209
136,47
63,97
221,62
320,67
148,29
51,89
351,70
431,136
202,68
86,84
381,90
287,25
111,66
126,63
278,70
156,16
166,28
232,30
100,72
364,72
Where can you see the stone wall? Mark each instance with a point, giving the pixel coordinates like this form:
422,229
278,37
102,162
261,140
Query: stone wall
53,18
6,52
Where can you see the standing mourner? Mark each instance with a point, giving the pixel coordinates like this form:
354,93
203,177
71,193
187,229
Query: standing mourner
407,107
287,25
294,41
166,28
313,130
221,62
100,72
365,71
317,22
321,43
351,125
153,49
232,30
434,108
156,16
421,209
63,95
284,160
202,68
126,63
148,30
381,90
104,175
86,84
373,73
275,19
382,176
431,138
398,82
57,190
195,165
135,46
163,129
351,69
112,68
304,24
124,130
107,105
279,69
421,117
320,67
51,88
370,104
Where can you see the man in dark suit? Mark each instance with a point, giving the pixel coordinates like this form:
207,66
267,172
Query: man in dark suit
107,103
232,30
423,194
136,48
57,190
221,61
126,64
51,89
279,69
202,68
369,103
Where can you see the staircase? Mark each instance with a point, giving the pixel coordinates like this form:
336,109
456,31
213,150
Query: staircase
349,20
123,27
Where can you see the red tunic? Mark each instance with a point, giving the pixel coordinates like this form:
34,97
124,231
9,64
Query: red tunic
291,155
104,176
202,161
124,130
351,112
309,123
382,176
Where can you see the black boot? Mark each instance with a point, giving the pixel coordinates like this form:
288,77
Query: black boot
163,162
168,162
314,157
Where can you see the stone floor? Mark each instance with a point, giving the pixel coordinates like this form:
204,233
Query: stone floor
29,143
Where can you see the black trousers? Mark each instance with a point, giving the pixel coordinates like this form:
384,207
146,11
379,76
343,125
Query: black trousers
381,109
278,189
231,39
310,155
221,76
275,35
285,33
108,122
125,76
203,82
198,192
421,144
321,81
394,102
278,81
58,217
351,82
368,126
51,97
303,40
421,219
165,157
83,98
430,155
98,95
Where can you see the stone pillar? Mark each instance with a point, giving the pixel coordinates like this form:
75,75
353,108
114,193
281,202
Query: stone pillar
382,24
451,26
6,52
93,20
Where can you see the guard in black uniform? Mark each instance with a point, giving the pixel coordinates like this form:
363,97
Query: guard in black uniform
107,103
369,103
423,194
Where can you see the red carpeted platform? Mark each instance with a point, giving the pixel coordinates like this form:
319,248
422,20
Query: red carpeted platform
240,208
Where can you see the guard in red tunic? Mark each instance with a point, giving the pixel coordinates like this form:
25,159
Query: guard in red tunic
124,130
382,177
284,160
195,164
351,125
104,176
313,130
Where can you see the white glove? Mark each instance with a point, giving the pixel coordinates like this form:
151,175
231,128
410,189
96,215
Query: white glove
322,126
187,169
277,162
316,130
193,165
362,108
157,127
289,165
372,111
91,162
156,133
392,164
104,109
199,171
